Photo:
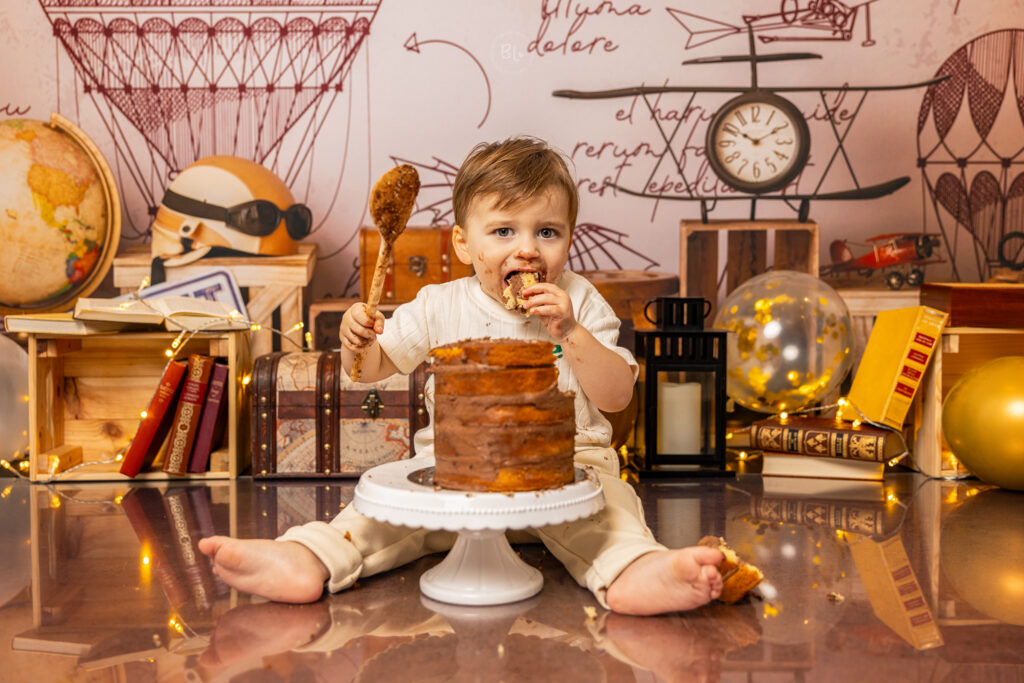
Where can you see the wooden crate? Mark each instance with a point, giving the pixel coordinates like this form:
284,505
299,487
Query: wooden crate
701,267
274,284
325,319
86,394
960,350
864,304
71,614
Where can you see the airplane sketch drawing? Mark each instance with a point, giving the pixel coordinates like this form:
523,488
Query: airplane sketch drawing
814,20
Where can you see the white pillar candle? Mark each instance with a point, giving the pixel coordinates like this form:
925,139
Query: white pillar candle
679,418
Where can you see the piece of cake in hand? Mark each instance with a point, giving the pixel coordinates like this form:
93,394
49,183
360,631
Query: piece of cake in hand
516,283
739,577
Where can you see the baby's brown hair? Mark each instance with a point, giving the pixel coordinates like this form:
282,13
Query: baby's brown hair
514,169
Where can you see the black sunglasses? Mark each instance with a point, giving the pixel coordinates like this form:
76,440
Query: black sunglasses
258,218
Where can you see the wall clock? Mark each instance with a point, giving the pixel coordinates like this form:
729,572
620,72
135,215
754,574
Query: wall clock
757,142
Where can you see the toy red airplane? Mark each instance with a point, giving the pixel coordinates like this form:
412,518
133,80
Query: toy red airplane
888,252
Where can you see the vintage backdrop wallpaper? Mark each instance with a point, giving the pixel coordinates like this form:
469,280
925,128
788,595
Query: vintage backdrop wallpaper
329,94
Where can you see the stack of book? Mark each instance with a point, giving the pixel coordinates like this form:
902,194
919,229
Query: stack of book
898,352
800,446
185,420
169,526
871,527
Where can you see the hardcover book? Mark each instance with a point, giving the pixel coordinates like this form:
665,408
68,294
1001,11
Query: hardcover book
901,344
185,531
58,323
874,519
173,312
212,420
144,509
154,426
826,437
791,465
187,414
895,594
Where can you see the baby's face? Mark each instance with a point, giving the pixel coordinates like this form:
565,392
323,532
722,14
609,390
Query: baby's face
533,235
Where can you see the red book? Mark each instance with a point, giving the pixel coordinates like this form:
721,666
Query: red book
144,508
153,428
186,417
211,423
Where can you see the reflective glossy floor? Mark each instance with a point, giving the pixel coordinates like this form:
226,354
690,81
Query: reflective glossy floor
913,580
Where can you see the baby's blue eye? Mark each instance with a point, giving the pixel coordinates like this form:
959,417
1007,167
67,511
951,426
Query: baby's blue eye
503,232
548,233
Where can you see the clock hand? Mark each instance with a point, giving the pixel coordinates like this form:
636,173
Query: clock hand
770,133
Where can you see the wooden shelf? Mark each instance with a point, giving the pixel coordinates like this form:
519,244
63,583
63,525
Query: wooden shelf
86,393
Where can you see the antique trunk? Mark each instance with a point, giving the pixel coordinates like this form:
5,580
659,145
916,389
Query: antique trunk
421,256
310,420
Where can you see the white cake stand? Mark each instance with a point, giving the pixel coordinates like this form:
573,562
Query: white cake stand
481,568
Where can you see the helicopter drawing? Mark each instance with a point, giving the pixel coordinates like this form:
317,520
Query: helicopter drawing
814,20
901,256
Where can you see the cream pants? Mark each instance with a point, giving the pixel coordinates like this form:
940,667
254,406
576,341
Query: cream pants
594,550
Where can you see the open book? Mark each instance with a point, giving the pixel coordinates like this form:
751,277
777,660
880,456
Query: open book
173,312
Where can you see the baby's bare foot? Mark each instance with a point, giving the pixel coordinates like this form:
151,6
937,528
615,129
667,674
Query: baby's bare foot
667,581
283,571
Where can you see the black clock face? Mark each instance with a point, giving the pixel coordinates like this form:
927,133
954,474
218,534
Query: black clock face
757,142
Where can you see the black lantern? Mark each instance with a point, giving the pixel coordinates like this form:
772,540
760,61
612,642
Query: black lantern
683,397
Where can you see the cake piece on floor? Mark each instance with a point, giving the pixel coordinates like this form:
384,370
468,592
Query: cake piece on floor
739,577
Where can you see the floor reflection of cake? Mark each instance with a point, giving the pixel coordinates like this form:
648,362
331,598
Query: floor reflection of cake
501,423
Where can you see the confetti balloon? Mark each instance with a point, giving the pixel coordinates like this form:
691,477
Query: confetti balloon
789,343
983,421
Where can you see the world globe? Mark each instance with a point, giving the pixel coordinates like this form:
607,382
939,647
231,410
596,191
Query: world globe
60,215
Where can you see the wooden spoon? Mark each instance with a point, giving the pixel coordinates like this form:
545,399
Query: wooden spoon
391,204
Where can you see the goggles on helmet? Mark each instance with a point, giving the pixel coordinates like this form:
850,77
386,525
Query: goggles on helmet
258,218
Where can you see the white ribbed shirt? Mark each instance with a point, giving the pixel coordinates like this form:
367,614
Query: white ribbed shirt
460,310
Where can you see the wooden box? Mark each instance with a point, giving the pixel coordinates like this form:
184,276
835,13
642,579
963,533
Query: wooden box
86,395
420,256
794,246
271,285
977,304
864,303
309,419
960,350
325,320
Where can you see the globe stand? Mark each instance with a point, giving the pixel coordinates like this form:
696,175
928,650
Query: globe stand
481,568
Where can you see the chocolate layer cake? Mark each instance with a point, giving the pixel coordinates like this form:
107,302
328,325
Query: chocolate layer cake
500,421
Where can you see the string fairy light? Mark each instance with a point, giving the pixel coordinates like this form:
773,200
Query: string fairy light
237,321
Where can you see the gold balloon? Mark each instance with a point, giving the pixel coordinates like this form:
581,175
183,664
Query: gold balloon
982,554
983,421
789,342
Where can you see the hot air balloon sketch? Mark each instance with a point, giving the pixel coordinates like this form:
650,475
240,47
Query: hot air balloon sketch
969,137
197,78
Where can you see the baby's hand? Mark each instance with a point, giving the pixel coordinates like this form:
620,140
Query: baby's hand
358,331
552,305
